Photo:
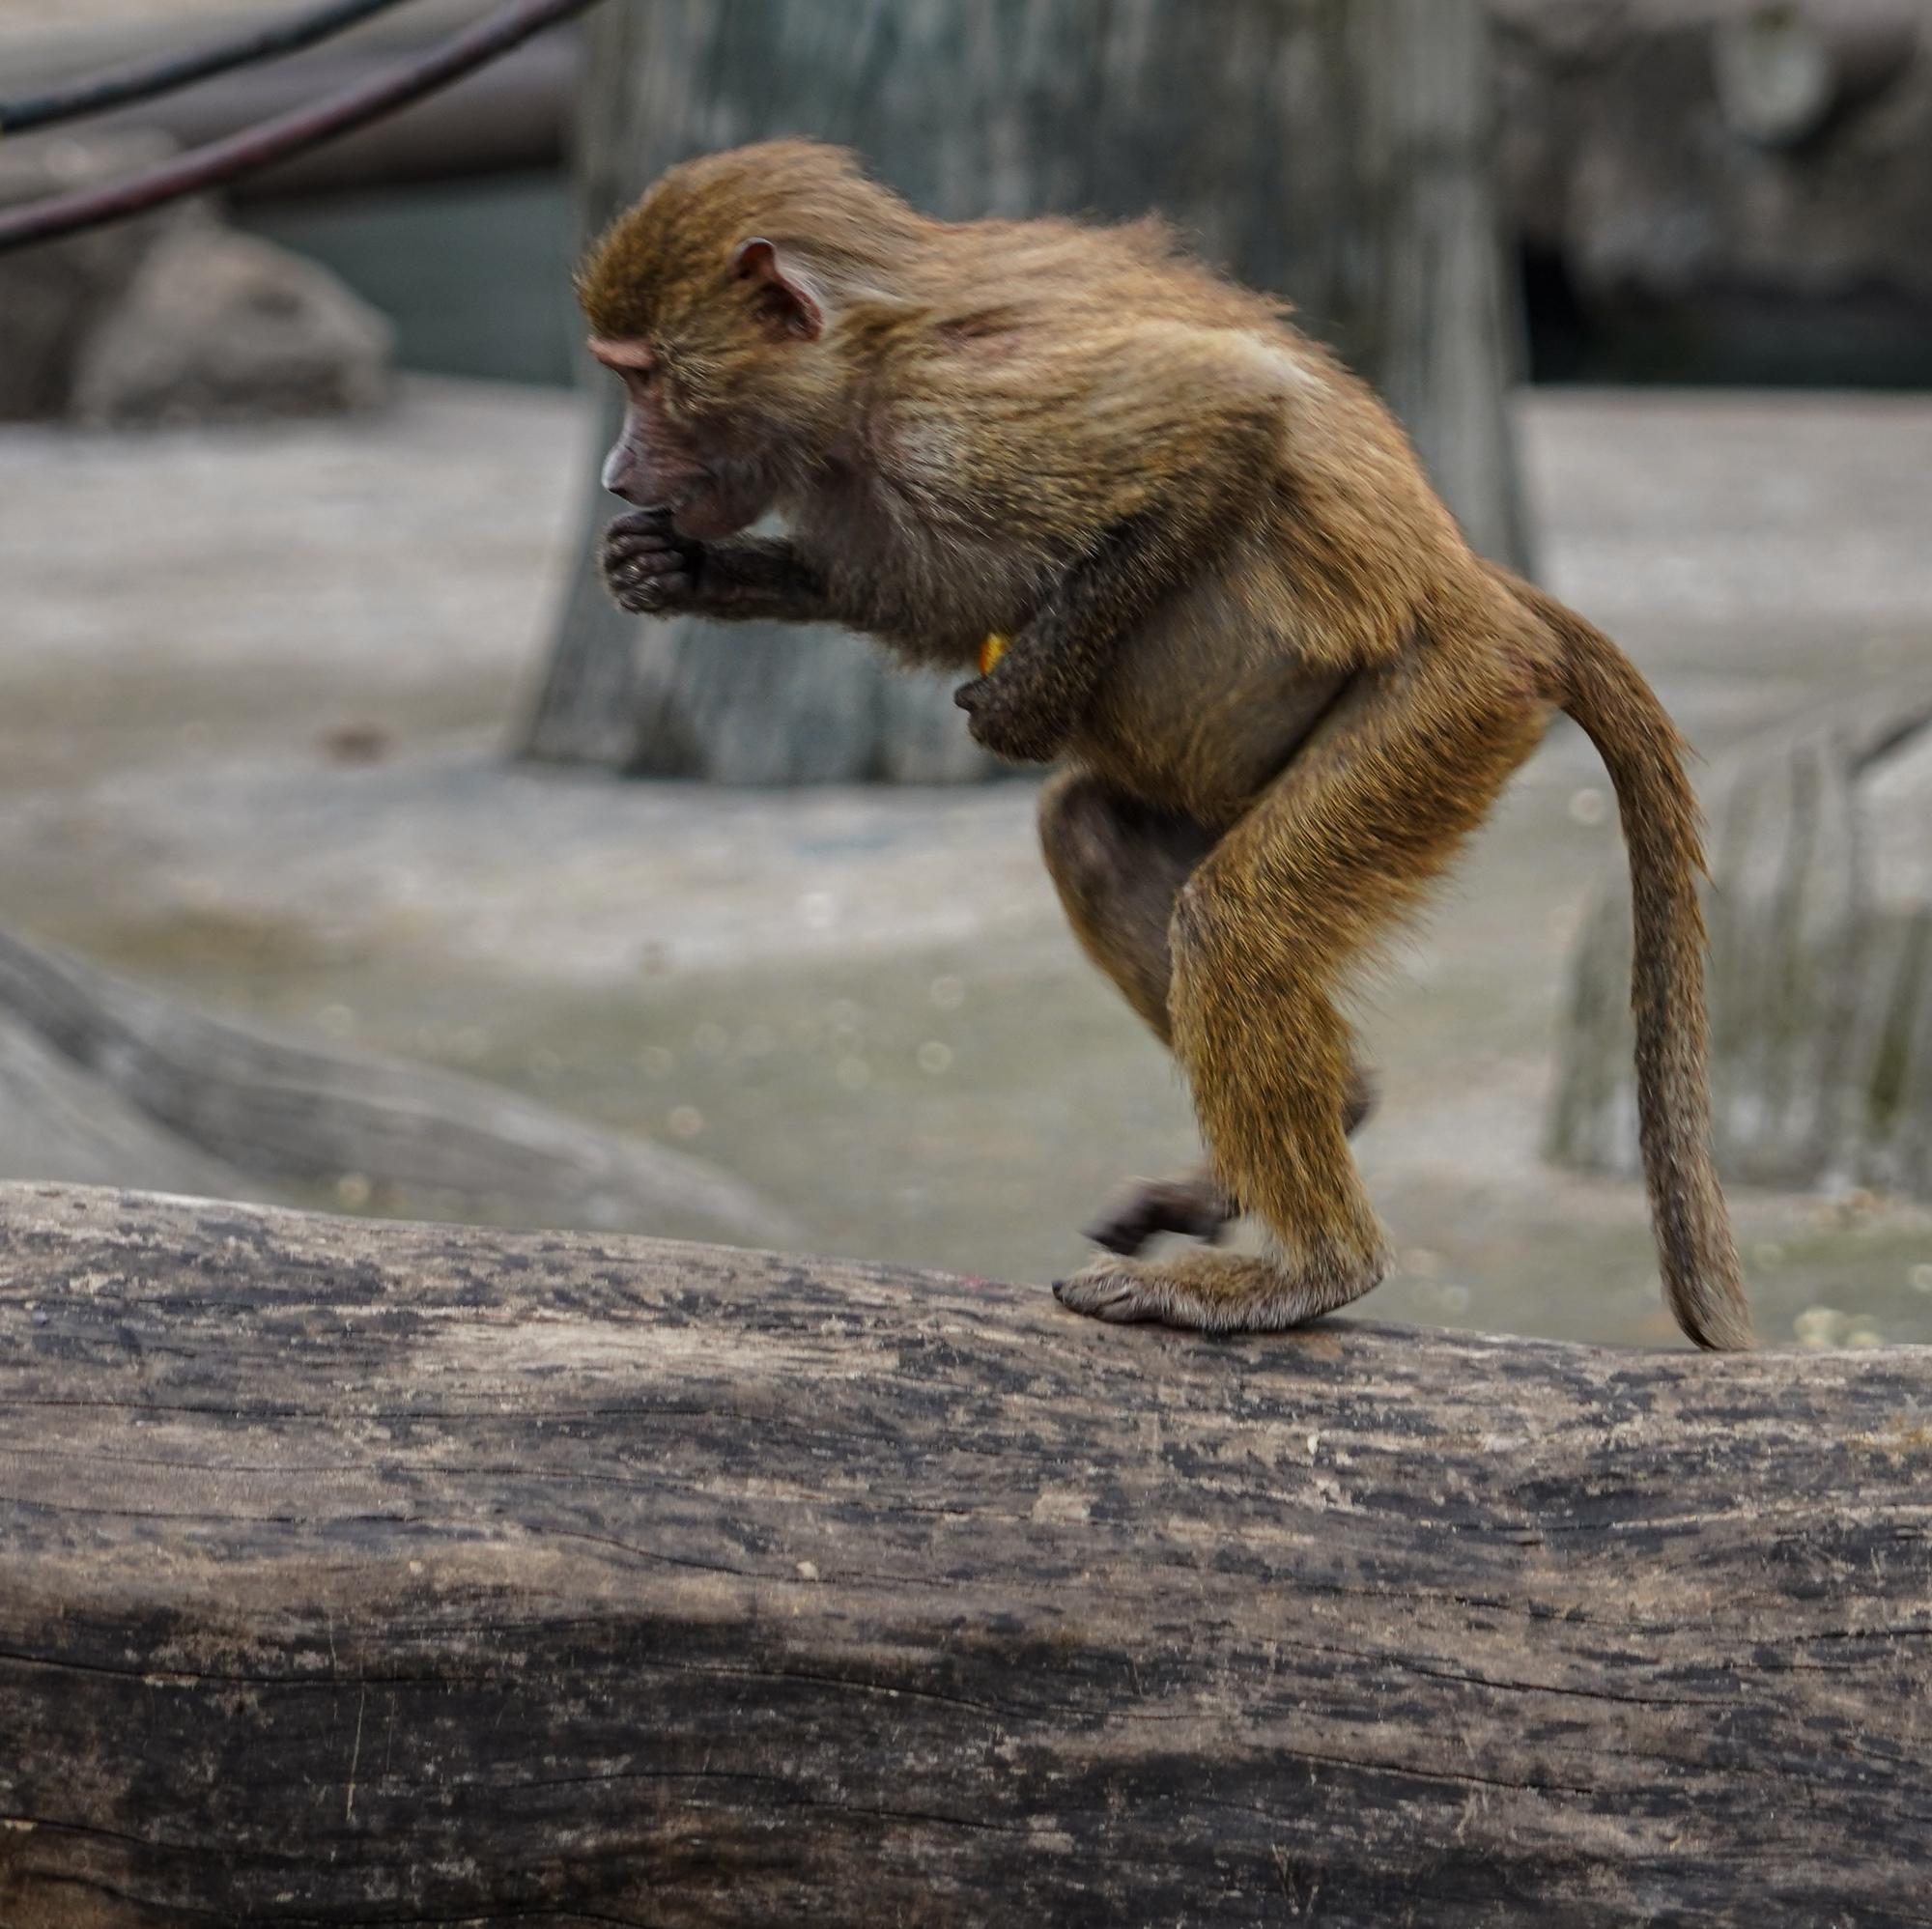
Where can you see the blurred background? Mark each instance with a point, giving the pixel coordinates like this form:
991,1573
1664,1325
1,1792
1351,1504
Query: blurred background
355,852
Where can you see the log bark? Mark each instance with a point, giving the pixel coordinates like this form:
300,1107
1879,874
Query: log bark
356,1574
1334,150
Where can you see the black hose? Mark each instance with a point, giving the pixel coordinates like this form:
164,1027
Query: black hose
144,80
290,133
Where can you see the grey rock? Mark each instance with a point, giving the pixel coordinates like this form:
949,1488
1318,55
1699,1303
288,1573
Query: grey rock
1719,166
221,327
52,296
109,1079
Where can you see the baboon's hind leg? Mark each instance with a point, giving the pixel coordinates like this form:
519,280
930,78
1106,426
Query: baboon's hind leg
1343,841
1119,865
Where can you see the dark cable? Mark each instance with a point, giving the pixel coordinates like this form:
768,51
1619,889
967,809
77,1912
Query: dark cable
145,80
287,135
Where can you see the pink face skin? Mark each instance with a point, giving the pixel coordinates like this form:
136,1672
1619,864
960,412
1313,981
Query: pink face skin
658,464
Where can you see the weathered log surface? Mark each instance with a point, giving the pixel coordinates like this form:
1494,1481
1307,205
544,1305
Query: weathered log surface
356,1574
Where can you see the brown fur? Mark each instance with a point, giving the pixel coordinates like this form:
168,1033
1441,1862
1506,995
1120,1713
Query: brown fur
1286,688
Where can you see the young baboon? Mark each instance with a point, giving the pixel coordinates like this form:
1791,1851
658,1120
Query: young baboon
1284,688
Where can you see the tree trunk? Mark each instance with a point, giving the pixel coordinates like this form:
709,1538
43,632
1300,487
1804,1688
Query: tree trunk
1334,150
354,1572
1433,315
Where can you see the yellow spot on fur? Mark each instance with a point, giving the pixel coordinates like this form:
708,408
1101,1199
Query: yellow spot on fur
992,650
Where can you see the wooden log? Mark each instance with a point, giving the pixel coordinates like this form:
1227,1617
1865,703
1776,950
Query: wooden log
511,117
354,1573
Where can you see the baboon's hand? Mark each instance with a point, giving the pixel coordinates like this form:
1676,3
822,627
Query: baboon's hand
649,568
1009,717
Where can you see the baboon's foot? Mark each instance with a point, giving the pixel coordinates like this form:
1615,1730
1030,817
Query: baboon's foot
1194,1207
1216,1292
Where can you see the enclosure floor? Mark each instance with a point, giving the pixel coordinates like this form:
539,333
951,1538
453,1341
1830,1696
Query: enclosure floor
254,689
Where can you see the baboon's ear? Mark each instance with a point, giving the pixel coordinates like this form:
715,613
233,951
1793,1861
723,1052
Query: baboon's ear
783,295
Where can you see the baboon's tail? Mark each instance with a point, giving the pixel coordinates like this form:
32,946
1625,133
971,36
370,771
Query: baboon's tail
1644,755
